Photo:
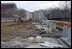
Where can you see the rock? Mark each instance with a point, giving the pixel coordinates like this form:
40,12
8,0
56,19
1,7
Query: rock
38,39
30,39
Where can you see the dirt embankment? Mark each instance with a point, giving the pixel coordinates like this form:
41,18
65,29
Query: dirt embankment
11,30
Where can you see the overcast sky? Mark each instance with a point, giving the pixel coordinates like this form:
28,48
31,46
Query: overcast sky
34,5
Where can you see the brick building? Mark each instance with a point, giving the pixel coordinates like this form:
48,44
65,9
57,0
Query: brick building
6,7
5,11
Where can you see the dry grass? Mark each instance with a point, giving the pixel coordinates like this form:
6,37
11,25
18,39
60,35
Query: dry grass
11,30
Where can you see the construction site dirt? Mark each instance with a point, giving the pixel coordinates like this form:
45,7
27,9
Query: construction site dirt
11,30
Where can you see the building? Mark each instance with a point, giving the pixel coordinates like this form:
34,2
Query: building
38,15
6,7
5,11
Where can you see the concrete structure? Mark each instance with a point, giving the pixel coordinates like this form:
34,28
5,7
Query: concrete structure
65,31
53,26
69,34
38,16
66,36
28,16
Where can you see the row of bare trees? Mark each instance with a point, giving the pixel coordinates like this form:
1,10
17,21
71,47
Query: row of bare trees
63,12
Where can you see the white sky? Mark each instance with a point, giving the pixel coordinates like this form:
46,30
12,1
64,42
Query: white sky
34,5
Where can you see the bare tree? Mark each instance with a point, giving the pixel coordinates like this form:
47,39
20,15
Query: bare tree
65,4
